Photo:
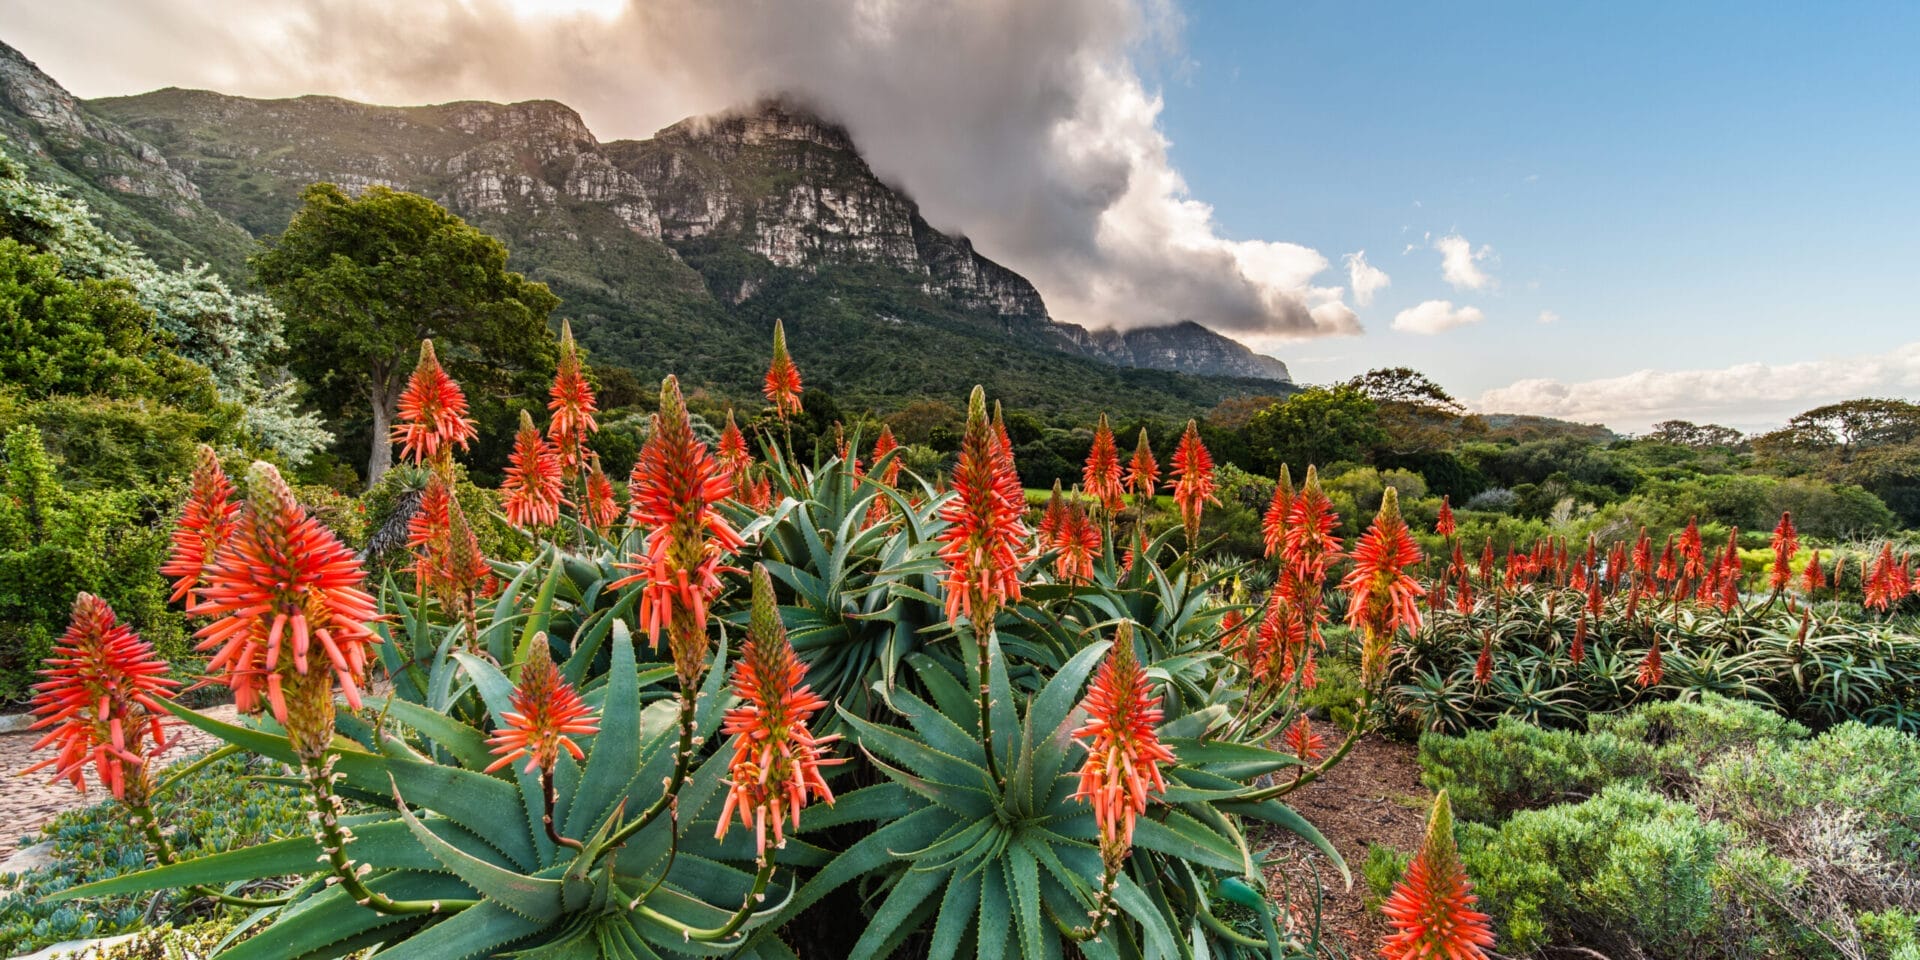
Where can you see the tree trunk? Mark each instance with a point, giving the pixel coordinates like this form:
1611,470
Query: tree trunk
381,459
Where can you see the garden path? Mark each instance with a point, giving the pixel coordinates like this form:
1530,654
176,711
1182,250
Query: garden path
28,802
1373,795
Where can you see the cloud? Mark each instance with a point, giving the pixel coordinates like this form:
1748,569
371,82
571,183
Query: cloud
1460,262
1436,316
1028,126
1548,316
1365,278
1746,395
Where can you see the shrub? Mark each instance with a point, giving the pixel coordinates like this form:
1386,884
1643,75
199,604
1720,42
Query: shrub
1491,774
1381,870
1684,735
1785,787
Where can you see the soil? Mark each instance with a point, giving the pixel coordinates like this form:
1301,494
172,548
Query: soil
27,803
1372,796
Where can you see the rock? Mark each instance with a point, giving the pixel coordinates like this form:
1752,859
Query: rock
16,722
36,857
76,949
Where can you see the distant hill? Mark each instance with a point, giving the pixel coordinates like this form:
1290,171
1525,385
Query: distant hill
1523,427
673,254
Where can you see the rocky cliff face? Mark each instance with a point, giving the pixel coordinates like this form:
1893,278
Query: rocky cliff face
1185,346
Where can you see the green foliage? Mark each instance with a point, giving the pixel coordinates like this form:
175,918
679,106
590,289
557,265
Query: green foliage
1382,869
219,808
1315,426
1492,774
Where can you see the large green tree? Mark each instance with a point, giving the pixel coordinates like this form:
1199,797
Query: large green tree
363,280
1315,426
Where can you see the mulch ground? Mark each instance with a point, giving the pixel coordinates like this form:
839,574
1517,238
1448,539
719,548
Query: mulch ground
27,803
1372,796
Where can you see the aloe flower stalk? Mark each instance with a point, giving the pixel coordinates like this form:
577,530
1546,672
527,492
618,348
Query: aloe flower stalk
775,769
1192,480
1101,476
1381,597
531,494
100,696
289,614
889,475
782,387
206,521
547,714
1303,743
1651,670
572,404
1885,583
1273,524
430,533
1813,578
1053,516
1143,473
433,412
733,454
984,540
1444,525
603,504
1431,908
1078,541
1124,752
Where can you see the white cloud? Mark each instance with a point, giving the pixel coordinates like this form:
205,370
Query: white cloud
1460,262
1436,316
1745,395
1365,278
1029,127
1548,316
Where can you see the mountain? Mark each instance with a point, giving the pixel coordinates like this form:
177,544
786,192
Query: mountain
672,254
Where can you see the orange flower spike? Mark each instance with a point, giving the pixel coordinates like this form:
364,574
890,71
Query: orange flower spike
1101,476
1079,542
883,445
100,694
1053,516
1651,670
1381,596
433,411
531,495
206,521
675,486
1431,908
603,503
283,585
1273,524
985,535
775,770
1192,480
1786,543
732,453
1143,473
782,387
1302,742
429,532
465,568
1813,578
1124,752
572,403
1444,525
547,714
1578,650
1310,546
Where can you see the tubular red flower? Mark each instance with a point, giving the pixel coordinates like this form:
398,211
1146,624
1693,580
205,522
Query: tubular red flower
547,714
1143,473
983,542
429,533
1124,752
1053,516
776,762
1078,542
1273,524
1883,585
672,493
1643,555
1302,742
572,403
733,454
1812,578
464,569
1381,597
1281,639
1444,525
889,475
1692,551
782,387
531,495
100,694
1578,651
1651,670
603,504
206,521
1431,908
1192,480
1483,667
1309,546
283,581
1101,476
433,411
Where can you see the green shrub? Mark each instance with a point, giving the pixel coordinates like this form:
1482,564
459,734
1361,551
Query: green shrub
1491,774
1382,869
1627,863
1894,934
1783,788
1337,693
1685,735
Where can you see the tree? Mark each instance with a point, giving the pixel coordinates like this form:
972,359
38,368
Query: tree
1686,433
1872,443
1315,426
1405,385
363,281
1417,415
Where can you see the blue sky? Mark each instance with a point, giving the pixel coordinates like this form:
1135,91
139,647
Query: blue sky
1683,185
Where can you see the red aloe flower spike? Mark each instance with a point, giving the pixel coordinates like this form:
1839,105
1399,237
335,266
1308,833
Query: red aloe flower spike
1309,544
282,586
1578,651
1192,480
1143,473
782,386
1651,671
1483,667
733,454
1643,555
1487,562
547,714
1053,516
889,475
100,693
1813,579
1101,475
1234,635
465,569
603,503
1692,551
1078,542
1431,908
984,540
1273,525
1444,526
1124,752
433,411
532,494
776,761
429,533
1381,597
572,404
1878,587
206,521
1303,743
676,484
